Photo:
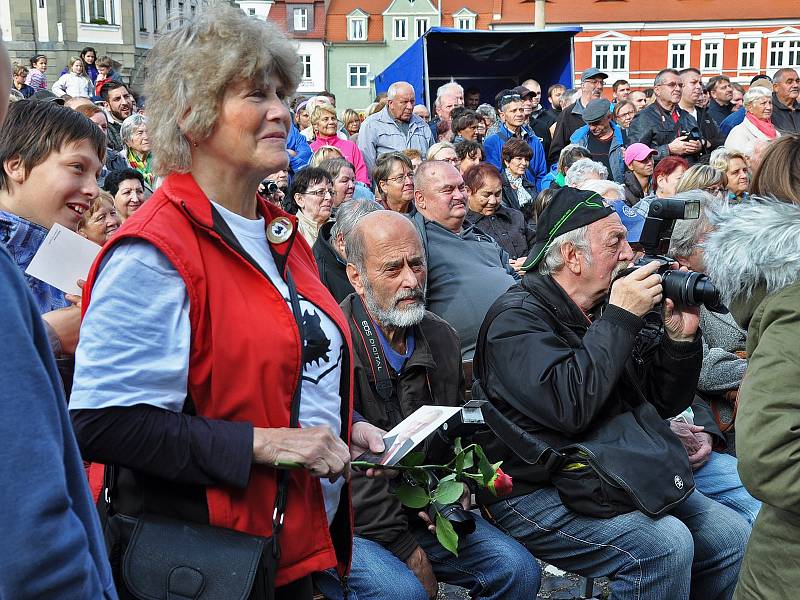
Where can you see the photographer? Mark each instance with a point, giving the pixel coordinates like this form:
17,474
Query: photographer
395,552
563,357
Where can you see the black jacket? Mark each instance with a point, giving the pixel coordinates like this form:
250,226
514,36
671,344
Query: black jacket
708,129
654,127
432,375
785,118
332,269
718,111
510,194
560,376
633,189
569,121
507,227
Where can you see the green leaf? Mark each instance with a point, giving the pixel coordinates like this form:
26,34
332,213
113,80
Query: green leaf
420,476
450,477
485,467
413,459
457,446
448,492
446,535
469,459
412,496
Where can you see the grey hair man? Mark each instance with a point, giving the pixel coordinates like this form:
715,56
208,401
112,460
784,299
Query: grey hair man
387,267
467,270
785,106
583,170
558,354
422,112
571,118
395,128
329,249
448,96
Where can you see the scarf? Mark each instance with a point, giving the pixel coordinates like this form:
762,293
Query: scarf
523,197
765,127
145,167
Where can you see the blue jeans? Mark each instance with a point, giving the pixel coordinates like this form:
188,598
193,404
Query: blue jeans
489,564
695,552
719,480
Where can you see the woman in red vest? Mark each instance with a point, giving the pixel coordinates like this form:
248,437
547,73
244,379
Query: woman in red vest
191,354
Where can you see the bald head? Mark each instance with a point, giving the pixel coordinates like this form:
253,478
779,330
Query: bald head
376,230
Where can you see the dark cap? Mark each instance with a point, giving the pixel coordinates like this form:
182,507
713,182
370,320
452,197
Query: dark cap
46,96
569,209
522,91
592,73
504,97
596,110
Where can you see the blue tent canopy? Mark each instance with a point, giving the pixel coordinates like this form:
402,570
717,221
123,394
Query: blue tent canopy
488,60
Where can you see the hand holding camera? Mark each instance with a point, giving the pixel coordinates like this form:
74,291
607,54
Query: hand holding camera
639,291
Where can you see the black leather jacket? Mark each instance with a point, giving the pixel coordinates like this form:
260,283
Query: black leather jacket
559,375
654,127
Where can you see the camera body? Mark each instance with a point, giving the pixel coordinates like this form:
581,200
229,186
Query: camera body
687,288
692,135
270,187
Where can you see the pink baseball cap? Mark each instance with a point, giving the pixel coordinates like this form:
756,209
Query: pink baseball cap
638,151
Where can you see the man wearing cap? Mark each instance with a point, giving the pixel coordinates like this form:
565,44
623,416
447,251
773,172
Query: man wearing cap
511,108
663,125
639,176
571,117
737,116
561,356
602,138
785,107
467,270
698,117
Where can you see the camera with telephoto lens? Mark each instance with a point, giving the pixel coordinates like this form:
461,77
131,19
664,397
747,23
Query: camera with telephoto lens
682,287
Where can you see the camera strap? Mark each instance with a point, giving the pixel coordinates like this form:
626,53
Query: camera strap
368,333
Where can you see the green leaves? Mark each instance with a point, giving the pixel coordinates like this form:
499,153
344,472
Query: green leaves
446,535
414,459
448,492
412,496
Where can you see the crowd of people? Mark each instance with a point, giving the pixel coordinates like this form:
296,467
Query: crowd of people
280,282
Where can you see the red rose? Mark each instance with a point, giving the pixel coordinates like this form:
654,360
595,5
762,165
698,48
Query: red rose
502,484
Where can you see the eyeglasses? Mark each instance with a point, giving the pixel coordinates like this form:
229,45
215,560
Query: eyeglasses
452,161
400,178
672,84
320,193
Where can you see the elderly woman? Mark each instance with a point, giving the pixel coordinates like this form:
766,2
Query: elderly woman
757,126
311,197
504,225
517,190
444,151
465,127
126,187
208,339
137,148
705,178
393,177
101,220
342,174
734,164
623,114
325,124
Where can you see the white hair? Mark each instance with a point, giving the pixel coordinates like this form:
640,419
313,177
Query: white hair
395,87
452,88
687,232
754,93
553,260
602,187
582,169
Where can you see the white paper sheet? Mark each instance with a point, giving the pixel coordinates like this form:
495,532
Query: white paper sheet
63,258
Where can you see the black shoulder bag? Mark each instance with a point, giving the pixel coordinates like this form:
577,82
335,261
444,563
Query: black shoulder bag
157,558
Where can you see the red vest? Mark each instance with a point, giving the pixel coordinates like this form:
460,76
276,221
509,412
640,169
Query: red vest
245,360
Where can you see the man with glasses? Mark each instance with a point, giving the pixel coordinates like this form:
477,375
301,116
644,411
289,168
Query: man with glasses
571,117
696,116
511,107
467,270
663,125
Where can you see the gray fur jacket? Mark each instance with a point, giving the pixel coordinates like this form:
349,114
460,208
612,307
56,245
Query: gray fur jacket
722,369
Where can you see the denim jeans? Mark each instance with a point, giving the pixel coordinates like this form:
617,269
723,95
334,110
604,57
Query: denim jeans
489,564
695,552
719,480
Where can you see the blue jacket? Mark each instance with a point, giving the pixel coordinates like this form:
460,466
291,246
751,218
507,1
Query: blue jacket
731,121
537,169
22,239
298,143
616,153
52,542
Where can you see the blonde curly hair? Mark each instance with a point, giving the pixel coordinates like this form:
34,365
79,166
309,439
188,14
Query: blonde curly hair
190,67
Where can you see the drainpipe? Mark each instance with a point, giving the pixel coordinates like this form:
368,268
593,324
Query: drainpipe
538,14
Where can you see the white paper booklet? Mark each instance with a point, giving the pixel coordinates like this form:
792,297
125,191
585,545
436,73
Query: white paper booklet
63,258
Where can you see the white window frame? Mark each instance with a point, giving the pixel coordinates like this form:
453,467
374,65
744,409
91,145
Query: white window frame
787,56
300,18
92,9
712,55
354,21
679,58
358,70
305,63
421,25
756,51
611,54
467,22
399,28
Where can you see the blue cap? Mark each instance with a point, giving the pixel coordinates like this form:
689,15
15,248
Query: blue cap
631,219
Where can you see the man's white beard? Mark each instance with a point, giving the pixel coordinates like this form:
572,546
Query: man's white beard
394,316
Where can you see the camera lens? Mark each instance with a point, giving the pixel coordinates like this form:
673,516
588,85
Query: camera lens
691,289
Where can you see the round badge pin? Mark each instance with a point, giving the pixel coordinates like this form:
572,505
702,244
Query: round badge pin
279,230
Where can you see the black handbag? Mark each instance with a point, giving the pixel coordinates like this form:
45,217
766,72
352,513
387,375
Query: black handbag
158,558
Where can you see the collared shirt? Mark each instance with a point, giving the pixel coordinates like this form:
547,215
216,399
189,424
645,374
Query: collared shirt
393,357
